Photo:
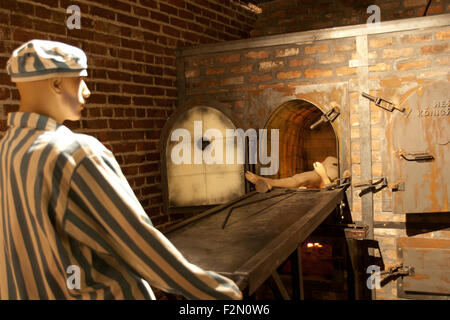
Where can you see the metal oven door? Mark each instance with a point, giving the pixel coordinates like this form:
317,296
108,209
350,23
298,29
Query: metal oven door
417,158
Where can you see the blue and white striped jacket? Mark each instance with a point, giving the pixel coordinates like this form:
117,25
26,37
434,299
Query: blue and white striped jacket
65,205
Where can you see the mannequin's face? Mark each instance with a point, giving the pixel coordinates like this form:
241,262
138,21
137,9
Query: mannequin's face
73,92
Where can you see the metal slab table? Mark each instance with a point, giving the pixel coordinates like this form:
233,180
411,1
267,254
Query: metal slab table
262,232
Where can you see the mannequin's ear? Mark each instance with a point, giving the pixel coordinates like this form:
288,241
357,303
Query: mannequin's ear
55,84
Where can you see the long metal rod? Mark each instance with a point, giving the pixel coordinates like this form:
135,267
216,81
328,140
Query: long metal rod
426,9
362,49
288,192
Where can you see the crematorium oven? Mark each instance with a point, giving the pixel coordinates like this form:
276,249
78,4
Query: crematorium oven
376,99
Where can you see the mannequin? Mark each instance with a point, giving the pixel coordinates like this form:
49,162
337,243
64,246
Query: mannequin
324,173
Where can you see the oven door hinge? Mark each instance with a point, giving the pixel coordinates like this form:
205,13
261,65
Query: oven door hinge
384,104
330,116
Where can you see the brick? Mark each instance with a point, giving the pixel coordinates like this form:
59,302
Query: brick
171,31
113,99
159,16
123,147
168,9
443,35
49,27
51,3
416,38
107,87
356,146
119,123
301,62
345,71
150,26
356,158
260,78
42,13
354,132
287,52
344,47
242,69
316,49
270,65
380,67
95,124
439,48
149,3
4,93
332,59
397,53
443,60
354,120
214,71
130,20
204,84
192,73
257,54
228,59
232,81
378,43
102,12
414,3
289,75
418,64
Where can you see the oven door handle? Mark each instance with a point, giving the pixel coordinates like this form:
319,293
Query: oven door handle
416,156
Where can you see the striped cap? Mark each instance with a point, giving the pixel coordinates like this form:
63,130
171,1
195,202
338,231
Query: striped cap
44,59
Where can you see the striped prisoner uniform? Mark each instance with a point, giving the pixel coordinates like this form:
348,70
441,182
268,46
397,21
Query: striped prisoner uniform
65,205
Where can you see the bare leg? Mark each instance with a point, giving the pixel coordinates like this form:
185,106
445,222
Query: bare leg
308,178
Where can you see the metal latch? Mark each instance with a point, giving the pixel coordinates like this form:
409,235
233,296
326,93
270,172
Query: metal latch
416,156
399,270
379,184
342,183
382,103
395,272
330,116
372,185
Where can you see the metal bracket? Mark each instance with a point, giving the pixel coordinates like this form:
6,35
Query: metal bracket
330,116
399,186
382,103
373,186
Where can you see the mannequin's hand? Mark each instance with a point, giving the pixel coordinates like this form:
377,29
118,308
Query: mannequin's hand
320,169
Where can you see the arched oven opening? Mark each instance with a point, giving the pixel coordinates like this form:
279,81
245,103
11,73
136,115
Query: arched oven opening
299,145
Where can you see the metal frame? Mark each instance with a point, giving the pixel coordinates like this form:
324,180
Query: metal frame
322,34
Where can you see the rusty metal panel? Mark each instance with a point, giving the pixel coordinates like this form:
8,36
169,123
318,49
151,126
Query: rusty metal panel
417,156
430,259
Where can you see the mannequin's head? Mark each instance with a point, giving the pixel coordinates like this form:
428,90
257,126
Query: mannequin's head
331,166
61,98
49,76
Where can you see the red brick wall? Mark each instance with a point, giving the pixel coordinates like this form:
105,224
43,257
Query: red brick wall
132,70
282,16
